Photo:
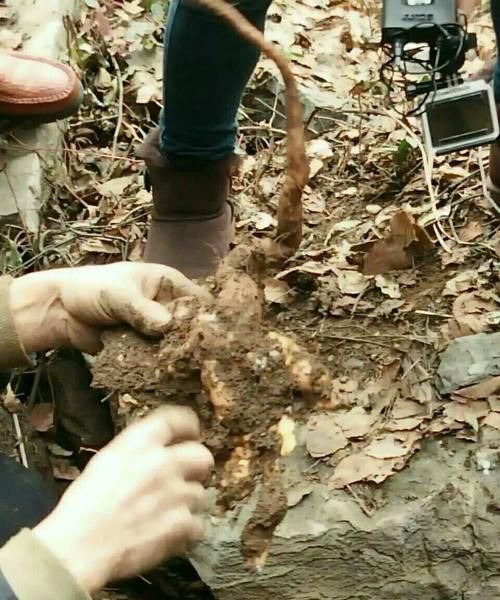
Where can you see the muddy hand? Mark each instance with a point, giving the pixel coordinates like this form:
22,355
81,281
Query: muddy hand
138,502
72,306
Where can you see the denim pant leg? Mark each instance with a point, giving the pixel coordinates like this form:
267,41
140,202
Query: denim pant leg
25,498
207,66
495,15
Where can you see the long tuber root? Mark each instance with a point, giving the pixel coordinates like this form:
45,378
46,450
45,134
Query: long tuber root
220,357
289,231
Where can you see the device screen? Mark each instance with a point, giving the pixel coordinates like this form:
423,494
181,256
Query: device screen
458,119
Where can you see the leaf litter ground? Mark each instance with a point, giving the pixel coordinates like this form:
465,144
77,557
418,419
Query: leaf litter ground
365,345
342,367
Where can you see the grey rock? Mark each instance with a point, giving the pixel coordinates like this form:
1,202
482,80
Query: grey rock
435,536
468,360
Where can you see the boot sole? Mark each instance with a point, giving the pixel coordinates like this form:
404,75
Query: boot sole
8,122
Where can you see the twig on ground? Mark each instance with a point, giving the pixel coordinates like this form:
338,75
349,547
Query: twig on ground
263,127
360,340
36,381
101,153
119,121
428,313
20,441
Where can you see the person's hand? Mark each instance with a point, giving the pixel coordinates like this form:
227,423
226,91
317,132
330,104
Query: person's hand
71,306
138,502
468,6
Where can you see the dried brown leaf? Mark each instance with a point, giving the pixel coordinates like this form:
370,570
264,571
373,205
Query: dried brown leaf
483,389
314,203
471,231
386,447
96,246
468,413
462,282
360,467
133,8
356,423
388,286
276,291
405,242
457,256
472,313
404,408
405,424
492,420
449,172
443,425
324,437
116,187
351,282
319,148
63,470
297,493
103,24
416,382
311,266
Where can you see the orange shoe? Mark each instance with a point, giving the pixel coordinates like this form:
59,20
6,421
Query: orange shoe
36,89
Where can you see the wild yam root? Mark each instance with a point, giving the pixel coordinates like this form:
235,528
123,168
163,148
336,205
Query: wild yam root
222,359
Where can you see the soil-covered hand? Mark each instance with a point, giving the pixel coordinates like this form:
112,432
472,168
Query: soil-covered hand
138,502
71,306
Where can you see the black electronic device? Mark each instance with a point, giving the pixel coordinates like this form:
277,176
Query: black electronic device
426,42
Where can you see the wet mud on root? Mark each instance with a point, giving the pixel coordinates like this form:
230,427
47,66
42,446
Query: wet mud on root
226,362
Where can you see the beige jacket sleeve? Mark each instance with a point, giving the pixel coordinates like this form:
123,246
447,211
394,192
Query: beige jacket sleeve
12,353
29,567
34,573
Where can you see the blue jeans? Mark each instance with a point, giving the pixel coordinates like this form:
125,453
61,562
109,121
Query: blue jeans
25,498
207,66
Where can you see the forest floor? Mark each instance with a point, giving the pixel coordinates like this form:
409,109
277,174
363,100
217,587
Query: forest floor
379,334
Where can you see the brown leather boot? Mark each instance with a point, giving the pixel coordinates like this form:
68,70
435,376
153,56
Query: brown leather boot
36,90
191,228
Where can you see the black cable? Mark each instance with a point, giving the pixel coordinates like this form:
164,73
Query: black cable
403,71
459,28
429,68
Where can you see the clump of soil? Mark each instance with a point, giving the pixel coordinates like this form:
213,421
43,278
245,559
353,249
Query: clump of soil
225,361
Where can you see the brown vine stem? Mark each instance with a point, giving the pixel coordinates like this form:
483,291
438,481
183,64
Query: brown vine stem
289,231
